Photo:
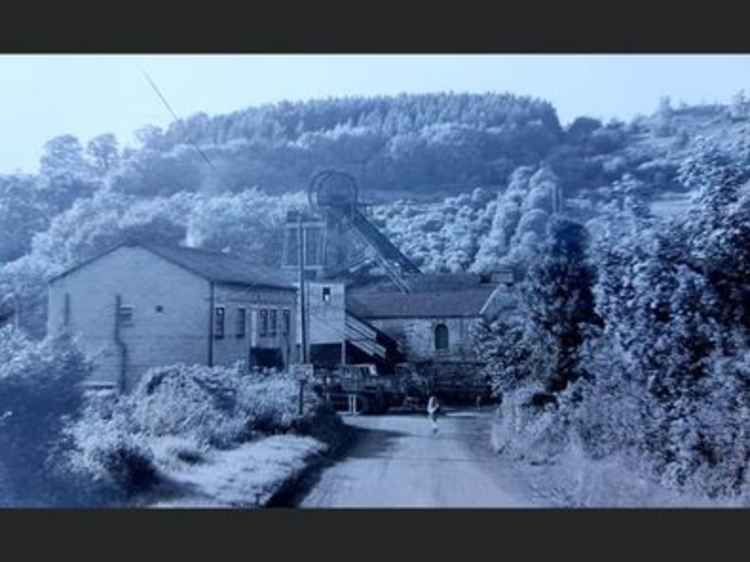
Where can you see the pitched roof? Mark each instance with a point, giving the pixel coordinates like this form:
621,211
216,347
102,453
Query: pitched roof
213,266
458,303
221,267
424,283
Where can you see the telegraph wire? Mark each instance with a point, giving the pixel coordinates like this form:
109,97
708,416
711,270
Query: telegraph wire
176,118
208,161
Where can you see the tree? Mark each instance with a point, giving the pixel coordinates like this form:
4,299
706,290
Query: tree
581,128
249,224
632,196
718,226
151,137
739,109
63,155
663,118
607,139
65,174
154,173
40,390
670,367
104,154
496,243
557,294
538,337
22,213
506,350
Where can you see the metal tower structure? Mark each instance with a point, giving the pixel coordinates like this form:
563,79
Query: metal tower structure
336,232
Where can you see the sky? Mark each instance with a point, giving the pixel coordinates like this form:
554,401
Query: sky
42,96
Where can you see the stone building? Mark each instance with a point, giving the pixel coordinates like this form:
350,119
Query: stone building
140,305
367,303
432,322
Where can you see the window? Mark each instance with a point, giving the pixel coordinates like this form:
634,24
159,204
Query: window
326,294
287,322
263,329
442,340
273,323
219,322
125,315
241,321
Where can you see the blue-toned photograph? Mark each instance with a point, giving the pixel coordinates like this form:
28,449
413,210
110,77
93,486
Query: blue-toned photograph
311,281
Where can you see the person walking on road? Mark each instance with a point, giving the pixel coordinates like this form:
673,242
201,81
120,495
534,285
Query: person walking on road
432,410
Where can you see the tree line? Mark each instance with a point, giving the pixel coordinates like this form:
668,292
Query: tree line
634,338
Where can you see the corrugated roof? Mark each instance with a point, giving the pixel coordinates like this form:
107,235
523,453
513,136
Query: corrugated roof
213,266
458,303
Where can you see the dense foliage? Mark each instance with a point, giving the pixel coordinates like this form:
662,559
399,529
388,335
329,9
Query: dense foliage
630,336
666,380
40,393
462,182
179,413
404,143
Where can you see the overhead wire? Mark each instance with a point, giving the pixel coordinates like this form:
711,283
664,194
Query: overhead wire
203,155
177,118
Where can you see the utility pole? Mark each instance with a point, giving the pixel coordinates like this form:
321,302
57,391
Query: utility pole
302,300
303,308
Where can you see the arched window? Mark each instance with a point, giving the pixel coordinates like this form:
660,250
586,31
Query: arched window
442,339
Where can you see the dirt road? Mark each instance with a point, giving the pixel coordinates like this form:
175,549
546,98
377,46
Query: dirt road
398,462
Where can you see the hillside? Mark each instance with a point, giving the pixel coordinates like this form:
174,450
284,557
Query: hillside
423,145
459,181
419,146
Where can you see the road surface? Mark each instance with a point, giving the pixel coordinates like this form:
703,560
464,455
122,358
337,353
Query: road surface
397,462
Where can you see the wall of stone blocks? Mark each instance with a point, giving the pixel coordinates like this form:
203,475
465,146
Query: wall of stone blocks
417,337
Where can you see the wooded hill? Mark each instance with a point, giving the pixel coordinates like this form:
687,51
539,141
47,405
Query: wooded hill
461,181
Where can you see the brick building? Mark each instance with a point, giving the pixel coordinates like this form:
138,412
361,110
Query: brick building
140,305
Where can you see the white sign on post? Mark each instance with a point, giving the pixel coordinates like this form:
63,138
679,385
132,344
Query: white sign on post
303,371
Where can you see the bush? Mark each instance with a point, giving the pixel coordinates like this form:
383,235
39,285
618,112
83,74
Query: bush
177,414
221,406
128,463
320,422
107,453
525,428
270,405
40,391
186,400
